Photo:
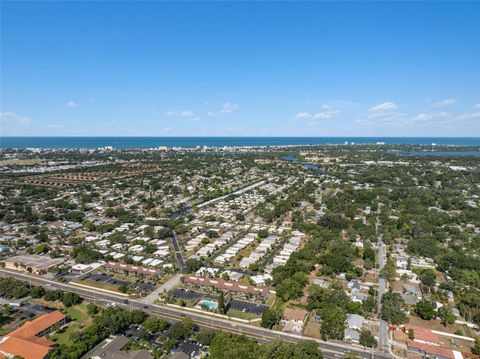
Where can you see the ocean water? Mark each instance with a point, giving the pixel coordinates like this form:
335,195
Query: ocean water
188,142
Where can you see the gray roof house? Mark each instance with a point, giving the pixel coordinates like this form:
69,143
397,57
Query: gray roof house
351,334
410,289
409,299
112,349
354,321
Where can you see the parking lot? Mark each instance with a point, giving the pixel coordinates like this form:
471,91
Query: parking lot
247,307
191,295
192,348
142,286
107,279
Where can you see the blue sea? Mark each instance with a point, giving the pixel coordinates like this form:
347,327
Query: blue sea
188,142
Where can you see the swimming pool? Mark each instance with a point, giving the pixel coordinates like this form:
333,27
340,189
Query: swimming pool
210,304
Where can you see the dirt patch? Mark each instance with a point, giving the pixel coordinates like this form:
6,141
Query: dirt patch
369,277
434,325
312,330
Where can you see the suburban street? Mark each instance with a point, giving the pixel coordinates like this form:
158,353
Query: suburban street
178,253
165,287
238,191
383,339
383,329
331,350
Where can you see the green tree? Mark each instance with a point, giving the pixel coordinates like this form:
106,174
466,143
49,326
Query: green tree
85,255
307,349
205,337
425,309
182,329
427,277
446,315
70,299
192,265
333,323
367,339
155,325
221,304
263,233
37,292
476,347
92,309
393,309
389,271
270,317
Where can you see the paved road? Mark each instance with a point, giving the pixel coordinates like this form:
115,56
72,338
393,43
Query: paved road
383,338
178,253
165,287
382,286
238,191
330,350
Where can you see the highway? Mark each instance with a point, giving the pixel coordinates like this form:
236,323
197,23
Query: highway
330,350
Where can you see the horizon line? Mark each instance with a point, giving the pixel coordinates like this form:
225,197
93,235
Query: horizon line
220,136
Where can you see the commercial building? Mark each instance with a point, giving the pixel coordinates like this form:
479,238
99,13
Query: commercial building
33,263
29,340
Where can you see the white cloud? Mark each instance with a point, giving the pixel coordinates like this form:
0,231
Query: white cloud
13,118
432,116
469,116
316,116
477,106
182,113
227,107
444,103
73,104
382,108
303,116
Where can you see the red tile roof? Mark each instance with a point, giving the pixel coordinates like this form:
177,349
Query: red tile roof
24,342
432,349
223,285
23,348
423,334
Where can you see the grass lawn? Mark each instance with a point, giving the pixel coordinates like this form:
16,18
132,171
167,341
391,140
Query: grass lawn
241,315
271,299
279,304
79,313
80,319
92,283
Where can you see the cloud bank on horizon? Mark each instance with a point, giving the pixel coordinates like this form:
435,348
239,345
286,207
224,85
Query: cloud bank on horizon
233,69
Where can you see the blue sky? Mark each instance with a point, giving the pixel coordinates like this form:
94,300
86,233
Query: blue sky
240,68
